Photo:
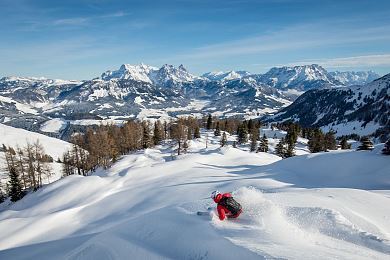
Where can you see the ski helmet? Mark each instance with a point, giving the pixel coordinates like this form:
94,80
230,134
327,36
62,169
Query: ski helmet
214,194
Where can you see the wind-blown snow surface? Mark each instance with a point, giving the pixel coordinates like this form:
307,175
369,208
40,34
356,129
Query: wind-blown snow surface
313,206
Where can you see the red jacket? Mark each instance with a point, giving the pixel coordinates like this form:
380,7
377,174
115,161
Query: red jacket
223,211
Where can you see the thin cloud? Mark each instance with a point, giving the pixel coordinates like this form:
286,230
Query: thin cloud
116,14
71,21
350,62
292,38
77,21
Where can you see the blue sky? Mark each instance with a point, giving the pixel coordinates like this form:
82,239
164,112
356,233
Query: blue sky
80,39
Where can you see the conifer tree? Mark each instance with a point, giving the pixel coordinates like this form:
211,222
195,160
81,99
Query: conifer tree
254,137
145,135
14,185
316,141
242,133
290,139
258,124
366,144
280,148
15,191
330,141
2,195
292,135
157,133
250,125
223,139
263,146
217,131
386,148
344,144
289,152
209,124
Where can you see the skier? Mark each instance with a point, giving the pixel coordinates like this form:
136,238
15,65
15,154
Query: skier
227,206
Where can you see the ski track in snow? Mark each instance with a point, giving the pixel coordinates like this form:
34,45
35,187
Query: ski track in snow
145,207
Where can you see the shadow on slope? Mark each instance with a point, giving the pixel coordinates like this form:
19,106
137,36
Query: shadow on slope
368,170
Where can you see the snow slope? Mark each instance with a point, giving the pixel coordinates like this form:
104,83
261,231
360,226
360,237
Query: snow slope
14,137
322,206
11,136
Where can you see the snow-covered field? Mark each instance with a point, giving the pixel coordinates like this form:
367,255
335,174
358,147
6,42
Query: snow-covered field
55,125
332,205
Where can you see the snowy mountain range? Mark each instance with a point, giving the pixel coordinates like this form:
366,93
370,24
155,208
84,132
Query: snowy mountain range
354,78
300,78
164,76
344,109
142,91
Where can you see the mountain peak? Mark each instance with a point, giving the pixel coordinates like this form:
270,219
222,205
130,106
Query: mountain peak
225,76
167,74
298,77
128,71
181,67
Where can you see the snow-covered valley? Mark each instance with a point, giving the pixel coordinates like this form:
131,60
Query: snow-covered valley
333,205
60,107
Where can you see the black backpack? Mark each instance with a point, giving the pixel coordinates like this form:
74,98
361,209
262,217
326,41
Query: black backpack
233,206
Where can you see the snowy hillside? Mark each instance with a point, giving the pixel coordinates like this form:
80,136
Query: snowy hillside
355,109
16,137
11,136
305,207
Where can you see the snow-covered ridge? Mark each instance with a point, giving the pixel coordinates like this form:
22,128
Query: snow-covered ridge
225,76
126,71
349,78
41,80
299,77
149,74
